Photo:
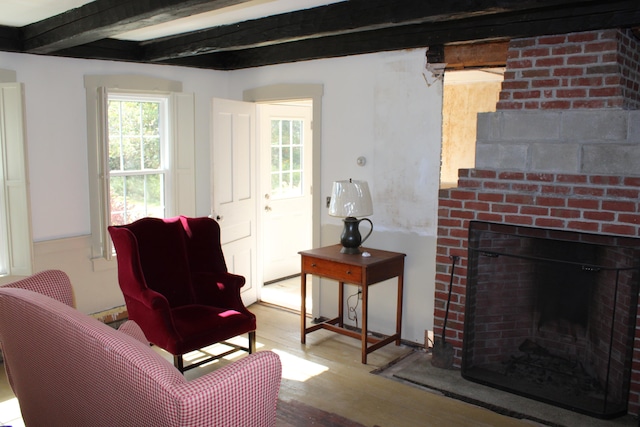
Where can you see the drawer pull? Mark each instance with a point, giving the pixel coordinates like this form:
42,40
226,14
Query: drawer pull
348,271
313,265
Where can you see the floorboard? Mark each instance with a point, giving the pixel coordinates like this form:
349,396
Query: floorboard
348,388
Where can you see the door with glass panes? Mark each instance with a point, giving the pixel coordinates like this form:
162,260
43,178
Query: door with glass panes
286,166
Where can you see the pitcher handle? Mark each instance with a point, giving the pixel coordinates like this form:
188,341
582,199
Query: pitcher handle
369,233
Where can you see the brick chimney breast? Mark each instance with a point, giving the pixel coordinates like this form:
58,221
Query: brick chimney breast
596,69
562,151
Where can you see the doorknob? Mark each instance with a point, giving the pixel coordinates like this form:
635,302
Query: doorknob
267,208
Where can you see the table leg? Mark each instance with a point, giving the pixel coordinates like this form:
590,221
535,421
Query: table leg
399,307
365,316
303,307
341,304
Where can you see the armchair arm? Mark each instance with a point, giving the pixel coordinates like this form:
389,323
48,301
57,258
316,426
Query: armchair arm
149,299
244,393
219,289
132,329
151,312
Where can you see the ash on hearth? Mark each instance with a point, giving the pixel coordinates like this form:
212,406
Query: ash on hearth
537,366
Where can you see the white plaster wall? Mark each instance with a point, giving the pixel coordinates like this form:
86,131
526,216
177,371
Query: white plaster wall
56,135
378,106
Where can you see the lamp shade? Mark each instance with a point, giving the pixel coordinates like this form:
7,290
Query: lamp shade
350,198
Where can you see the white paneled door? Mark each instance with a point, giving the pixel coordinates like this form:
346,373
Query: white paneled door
234,185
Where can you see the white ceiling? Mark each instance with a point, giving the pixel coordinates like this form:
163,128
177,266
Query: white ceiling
17,13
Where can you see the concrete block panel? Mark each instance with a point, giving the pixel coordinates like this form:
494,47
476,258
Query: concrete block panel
611,159
530,125
556,157
487,127
501,156
595,125
633,135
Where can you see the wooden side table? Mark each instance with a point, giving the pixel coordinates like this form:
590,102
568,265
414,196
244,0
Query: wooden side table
355,269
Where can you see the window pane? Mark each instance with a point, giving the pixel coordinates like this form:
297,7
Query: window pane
275,159
130,117
131,153
296,132
152,153
135,192
114,118
116,187
286,132
296,180
151,118
286,182
286,158
297,158
152,191
114,153
275,132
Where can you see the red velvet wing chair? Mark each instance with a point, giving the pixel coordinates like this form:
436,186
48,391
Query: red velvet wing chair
177,287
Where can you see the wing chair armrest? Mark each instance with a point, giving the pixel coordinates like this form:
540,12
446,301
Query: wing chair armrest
150,299
132,329
244,393
220,289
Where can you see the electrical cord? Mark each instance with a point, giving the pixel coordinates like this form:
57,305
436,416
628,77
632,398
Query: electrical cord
352,310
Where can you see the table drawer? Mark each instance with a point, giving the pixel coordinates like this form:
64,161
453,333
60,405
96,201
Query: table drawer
332,270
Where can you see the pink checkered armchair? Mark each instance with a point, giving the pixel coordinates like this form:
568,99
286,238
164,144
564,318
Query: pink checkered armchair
69,369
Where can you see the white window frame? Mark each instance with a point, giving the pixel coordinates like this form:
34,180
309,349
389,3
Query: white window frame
15,227
181,185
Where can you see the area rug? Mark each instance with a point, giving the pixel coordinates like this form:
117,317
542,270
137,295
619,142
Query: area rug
416,369
297,414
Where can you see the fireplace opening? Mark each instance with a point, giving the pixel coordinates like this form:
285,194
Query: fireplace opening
551,315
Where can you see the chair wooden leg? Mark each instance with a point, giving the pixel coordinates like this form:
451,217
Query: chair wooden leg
178,362
252,342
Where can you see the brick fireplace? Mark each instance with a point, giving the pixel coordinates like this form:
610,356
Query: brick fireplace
562,152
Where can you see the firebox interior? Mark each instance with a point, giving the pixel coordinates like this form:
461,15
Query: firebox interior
551,315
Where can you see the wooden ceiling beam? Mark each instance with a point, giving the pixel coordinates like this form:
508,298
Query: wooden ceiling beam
10,39
365,26
102,19
624,13
331,20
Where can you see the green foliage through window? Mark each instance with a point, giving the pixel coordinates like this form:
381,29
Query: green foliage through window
136,162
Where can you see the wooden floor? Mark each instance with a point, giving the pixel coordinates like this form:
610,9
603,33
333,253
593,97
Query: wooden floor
337,382
327,373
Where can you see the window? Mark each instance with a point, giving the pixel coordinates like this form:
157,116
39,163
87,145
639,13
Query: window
15,231
141,140
286,158
138,157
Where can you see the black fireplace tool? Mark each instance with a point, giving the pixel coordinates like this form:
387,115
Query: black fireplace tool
442,356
